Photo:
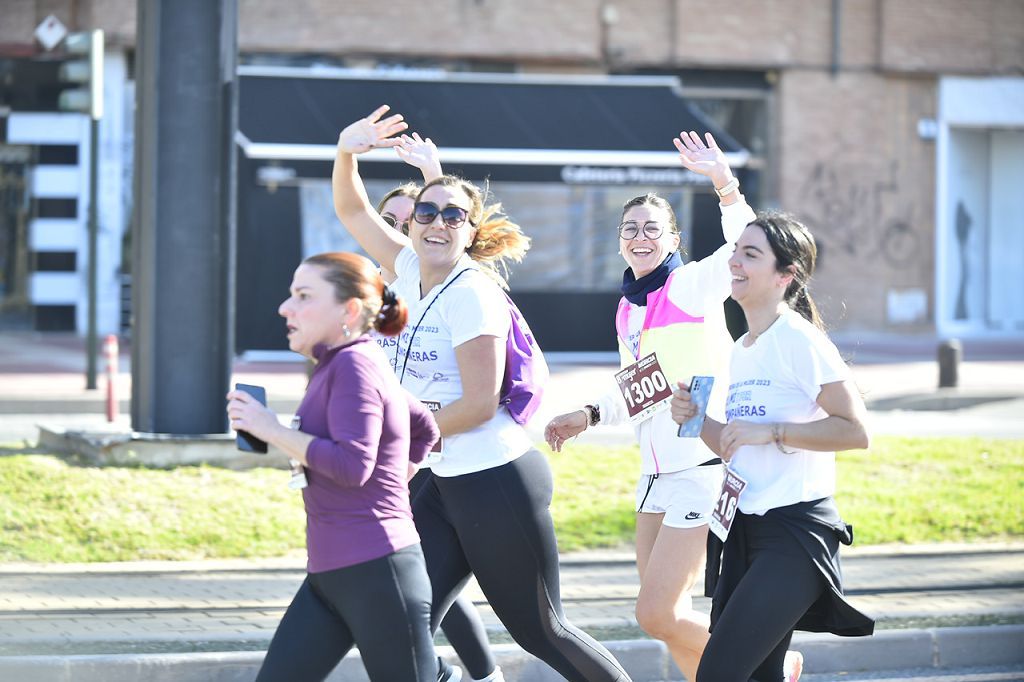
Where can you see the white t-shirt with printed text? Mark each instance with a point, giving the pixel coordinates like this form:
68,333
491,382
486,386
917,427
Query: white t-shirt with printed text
778,379
472,306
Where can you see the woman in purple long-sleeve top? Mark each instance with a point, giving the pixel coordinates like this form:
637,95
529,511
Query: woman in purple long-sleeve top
357,439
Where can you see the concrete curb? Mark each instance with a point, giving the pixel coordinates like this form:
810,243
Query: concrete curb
646,660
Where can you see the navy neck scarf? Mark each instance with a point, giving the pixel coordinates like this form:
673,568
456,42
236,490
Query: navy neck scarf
636,290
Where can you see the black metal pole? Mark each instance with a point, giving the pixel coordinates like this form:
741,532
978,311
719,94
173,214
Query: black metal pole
93,227
182,270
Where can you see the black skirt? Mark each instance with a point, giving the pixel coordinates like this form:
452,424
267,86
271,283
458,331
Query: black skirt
818,529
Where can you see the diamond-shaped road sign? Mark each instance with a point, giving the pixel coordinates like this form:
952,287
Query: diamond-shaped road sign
50,32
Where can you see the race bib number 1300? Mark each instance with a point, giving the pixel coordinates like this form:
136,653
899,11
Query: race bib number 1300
644,388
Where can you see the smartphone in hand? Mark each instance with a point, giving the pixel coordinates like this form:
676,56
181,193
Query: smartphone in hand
700,393
245,441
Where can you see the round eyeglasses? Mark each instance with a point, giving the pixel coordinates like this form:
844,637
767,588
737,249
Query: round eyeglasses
631,228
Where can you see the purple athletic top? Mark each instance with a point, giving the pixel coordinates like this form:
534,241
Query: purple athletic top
367,429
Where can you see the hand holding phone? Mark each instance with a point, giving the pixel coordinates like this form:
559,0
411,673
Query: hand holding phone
700,392
244,440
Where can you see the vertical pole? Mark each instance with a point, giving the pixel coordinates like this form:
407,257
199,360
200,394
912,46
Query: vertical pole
93,275
112,352
183,246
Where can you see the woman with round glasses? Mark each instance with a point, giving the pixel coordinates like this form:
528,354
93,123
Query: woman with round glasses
675,311
486,509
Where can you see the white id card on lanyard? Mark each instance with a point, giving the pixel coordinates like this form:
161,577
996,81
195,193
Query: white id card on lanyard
298,480
724,512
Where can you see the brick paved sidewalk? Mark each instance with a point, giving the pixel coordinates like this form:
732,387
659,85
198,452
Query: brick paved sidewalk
101,607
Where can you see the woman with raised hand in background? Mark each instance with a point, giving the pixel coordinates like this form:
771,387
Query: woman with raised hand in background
674,310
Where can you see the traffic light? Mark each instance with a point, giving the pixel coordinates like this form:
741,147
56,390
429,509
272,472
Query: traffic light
87,71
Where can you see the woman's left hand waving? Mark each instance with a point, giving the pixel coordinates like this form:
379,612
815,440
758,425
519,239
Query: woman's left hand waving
703,158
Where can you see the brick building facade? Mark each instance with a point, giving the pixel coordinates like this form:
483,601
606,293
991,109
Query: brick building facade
859,119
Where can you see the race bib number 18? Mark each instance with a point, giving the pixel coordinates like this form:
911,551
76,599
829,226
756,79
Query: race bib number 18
724,512
644,388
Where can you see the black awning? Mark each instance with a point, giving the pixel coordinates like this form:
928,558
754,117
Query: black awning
287,113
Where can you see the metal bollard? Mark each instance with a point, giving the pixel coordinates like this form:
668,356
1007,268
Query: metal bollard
950,353
110,349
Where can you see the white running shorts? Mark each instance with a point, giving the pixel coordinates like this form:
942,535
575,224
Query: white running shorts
685,497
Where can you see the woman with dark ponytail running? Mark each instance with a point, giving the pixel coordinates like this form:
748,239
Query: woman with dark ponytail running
791,406
356,435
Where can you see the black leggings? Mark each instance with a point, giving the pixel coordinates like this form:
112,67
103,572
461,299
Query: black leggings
496,525
750,639
462,625
382,606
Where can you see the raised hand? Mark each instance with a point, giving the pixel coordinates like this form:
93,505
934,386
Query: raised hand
420,153
372,132
703,158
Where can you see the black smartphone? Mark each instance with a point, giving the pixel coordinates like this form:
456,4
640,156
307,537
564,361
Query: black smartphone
245,440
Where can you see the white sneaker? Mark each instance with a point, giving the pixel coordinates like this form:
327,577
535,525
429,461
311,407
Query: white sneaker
448,673
793,666
495,676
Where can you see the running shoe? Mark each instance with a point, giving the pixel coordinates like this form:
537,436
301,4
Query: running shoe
495,676
448,673
793,666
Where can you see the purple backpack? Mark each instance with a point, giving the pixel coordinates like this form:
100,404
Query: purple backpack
526,372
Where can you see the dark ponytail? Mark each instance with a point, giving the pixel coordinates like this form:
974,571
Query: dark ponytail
795,253
393,314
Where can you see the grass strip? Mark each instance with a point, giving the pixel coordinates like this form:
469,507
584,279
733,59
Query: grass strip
912,490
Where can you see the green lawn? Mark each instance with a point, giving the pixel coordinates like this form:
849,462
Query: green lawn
903,490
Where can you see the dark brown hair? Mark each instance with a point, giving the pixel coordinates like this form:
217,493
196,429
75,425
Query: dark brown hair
795,253
355,276
652,199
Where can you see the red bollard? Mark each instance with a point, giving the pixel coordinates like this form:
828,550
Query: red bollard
110,349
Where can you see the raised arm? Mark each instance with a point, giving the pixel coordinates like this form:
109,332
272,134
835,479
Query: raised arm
708,160
711,274
422,154
351,204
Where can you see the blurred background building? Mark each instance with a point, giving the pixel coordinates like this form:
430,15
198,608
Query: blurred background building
895,128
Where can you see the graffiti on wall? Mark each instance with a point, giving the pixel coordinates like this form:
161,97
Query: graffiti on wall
858,216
